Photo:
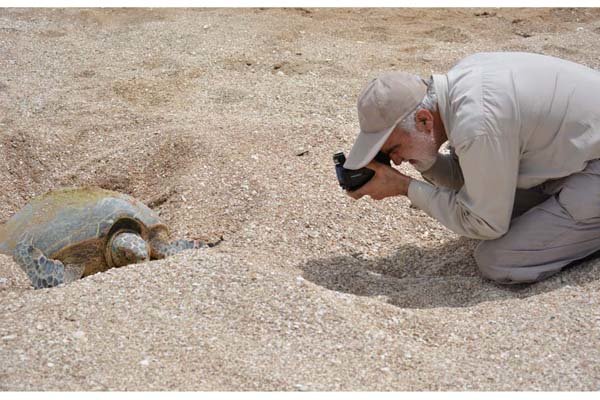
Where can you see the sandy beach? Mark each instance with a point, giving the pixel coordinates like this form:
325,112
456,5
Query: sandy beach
224,121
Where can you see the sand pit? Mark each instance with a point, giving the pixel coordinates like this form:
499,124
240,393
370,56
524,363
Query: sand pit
224,121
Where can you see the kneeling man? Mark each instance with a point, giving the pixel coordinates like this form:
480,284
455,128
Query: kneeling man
523,168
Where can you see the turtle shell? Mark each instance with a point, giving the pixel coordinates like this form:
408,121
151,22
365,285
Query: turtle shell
73,225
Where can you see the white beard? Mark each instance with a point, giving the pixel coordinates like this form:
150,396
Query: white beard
425,164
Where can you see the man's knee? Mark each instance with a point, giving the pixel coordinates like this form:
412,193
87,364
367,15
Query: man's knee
503,267
486,256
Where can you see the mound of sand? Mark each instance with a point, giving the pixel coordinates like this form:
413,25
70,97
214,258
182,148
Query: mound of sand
224,121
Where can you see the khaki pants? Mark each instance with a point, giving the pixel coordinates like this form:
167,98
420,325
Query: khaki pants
554,224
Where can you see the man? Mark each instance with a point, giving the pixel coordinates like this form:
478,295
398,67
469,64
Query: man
523,171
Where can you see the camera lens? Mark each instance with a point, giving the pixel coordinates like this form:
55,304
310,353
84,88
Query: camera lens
339,158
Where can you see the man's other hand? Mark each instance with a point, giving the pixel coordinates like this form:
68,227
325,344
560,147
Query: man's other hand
386,182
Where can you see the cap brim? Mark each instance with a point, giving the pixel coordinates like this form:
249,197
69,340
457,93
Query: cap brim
366,147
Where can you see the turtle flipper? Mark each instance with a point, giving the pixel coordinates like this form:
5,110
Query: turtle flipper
42,271
162,248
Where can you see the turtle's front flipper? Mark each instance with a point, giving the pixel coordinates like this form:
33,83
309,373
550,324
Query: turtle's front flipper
162,248
42,271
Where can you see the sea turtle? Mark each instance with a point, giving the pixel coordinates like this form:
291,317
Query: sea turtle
70,233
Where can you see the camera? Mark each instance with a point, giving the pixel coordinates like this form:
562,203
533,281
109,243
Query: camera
352,179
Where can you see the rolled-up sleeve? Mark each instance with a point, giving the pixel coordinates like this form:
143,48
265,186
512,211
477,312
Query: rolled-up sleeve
482,208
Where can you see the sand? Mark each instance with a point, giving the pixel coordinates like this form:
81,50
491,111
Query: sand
224,121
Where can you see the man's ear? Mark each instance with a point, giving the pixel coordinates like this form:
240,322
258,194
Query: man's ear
424,120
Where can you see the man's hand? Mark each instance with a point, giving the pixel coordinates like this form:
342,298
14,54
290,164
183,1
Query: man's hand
386,182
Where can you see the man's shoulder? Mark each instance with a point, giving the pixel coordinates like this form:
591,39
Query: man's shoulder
481,100
500,59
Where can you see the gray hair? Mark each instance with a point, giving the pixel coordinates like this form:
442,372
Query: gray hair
429,102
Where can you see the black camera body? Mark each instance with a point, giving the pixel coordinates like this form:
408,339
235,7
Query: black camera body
352,179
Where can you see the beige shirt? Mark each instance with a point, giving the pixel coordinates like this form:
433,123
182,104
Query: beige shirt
514,120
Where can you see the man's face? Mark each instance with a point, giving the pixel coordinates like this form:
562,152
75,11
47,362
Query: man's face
418,148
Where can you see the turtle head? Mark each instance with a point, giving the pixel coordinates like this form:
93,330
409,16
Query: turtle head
128,247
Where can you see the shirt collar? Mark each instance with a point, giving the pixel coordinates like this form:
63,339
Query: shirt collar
440,83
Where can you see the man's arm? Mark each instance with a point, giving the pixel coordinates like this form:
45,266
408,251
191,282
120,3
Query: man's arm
482,208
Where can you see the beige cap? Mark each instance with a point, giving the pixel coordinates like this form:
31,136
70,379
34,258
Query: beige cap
384,102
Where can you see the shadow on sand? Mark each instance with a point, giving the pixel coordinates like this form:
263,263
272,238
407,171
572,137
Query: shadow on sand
441,276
